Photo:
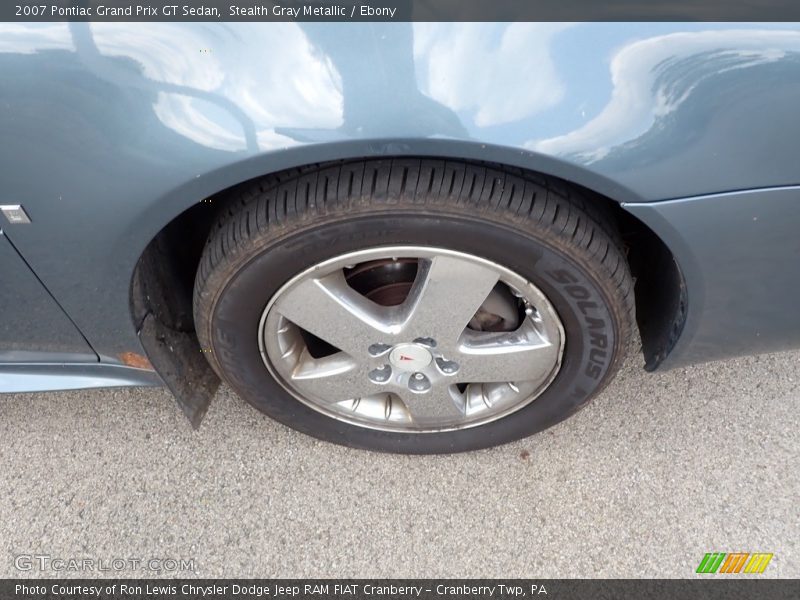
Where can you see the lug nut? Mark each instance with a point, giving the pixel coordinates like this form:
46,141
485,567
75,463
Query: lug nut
381,374
419,383
426,341
378,349
448,367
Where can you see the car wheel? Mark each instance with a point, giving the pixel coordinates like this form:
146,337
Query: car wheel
414,306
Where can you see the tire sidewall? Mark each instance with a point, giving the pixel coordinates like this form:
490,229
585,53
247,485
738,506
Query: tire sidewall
589,321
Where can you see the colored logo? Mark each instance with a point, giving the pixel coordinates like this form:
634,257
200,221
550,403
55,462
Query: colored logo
737,562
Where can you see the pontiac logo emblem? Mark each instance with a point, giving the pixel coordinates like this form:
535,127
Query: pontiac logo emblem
410,357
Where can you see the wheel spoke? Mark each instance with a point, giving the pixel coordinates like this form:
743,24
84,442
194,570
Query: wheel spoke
402,367
433,407
334,312
505,357
333,378
445,296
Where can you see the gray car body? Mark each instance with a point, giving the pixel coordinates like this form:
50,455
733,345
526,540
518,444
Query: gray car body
112,130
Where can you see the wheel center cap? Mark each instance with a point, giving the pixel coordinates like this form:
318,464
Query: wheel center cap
410,357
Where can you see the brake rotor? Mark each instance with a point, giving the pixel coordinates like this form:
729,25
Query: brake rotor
386,282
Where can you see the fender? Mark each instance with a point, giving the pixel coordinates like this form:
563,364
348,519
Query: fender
141,123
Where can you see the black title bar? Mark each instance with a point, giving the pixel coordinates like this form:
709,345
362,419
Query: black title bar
399,10
712,588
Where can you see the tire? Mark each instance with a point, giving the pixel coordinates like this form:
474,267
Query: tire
523,225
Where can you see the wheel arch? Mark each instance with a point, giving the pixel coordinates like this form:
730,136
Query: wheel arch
216,181
162,282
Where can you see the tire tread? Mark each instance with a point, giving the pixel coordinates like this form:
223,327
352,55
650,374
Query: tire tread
527,201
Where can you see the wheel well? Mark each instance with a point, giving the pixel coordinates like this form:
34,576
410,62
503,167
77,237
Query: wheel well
163,284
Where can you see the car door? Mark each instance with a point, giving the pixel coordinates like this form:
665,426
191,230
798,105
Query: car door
33,327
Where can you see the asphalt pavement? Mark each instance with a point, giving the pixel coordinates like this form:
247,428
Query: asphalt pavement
657,471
